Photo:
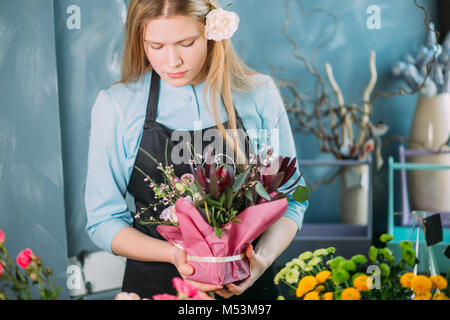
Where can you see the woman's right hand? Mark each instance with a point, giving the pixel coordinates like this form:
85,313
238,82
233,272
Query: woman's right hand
180,262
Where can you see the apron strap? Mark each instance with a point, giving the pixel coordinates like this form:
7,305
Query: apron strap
153,98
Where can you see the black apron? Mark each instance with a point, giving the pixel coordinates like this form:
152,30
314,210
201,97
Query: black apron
150,278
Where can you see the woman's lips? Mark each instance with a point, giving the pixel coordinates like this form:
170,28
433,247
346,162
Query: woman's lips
176,75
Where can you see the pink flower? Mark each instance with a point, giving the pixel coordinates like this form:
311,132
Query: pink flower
1,269
24,258
188,178
2,237
127,296
201,296
165,296
184,288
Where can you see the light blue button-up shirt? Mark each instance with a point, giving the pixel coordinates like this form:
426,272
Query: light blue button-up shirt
117,121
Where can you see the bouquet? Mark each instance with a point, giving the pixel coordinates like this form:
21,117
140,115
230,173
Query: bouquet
319,275
217,210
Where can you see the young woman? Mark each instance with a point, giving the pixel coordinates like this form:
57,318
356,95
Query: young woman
179,74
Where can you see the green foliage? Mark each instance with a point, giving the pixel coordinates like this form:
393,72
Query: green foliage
343,272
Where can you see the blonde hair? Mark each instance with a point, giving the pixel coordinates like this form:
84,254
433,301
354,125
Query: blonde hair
226,71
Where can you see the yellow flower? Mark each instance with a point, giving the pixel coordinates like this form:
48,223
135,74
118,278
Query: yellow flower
360,283
306,284
313,295
439,282
319,289
422,296
406,280
439,296
323,276
421,284
327,296
350,294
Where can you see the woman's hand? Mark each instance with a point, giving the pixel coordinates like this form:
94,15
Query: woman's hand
257,267
179,260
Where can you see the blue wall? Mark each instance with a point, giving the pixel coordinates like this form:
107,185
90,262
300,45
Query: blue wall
55,56
32,206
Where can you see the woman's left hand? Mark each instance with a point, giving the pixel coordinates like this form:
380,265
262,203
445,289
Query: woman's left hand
257,267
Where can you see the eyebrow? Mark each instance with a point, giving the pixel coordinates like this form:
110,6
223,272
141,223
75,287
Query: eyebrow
189,38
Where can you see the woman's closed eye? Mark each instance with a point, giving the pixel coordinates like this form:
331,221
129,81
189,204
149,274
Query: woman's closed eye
184,45
188,45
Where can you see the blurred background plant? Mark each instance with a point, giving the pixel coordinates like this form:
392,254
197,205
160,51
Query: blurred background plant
18,280
320,275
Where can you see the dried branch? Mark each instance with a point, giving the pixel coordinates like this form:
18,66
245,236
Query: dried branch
347,131
366,101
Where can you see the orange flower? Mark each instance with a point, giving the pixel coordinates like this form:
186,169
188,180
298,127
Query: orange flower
422,296
327,296
439,282
360,282
313,295
319,289
350,294
439,296
323,276
406,280
421,284
306,284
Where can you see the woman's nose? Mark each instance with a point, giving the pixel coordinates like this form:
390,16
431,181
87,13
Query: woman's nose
174,58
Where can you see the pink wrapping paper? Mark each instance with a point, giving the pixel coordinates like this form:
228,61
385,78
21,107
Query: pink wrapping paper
199,240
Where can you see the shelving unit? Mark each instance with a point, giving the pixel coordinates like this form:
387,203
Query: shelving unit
401,232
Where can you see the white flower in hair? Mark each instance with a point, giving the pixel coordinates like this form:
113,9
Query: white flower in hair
221,24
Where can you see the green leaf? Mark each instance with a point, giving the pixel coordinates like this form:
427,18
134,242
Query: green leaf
222,199
248,194
240,180
212,202
199,188
194,187
218,232
228,197
261,191
56,293
301,194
